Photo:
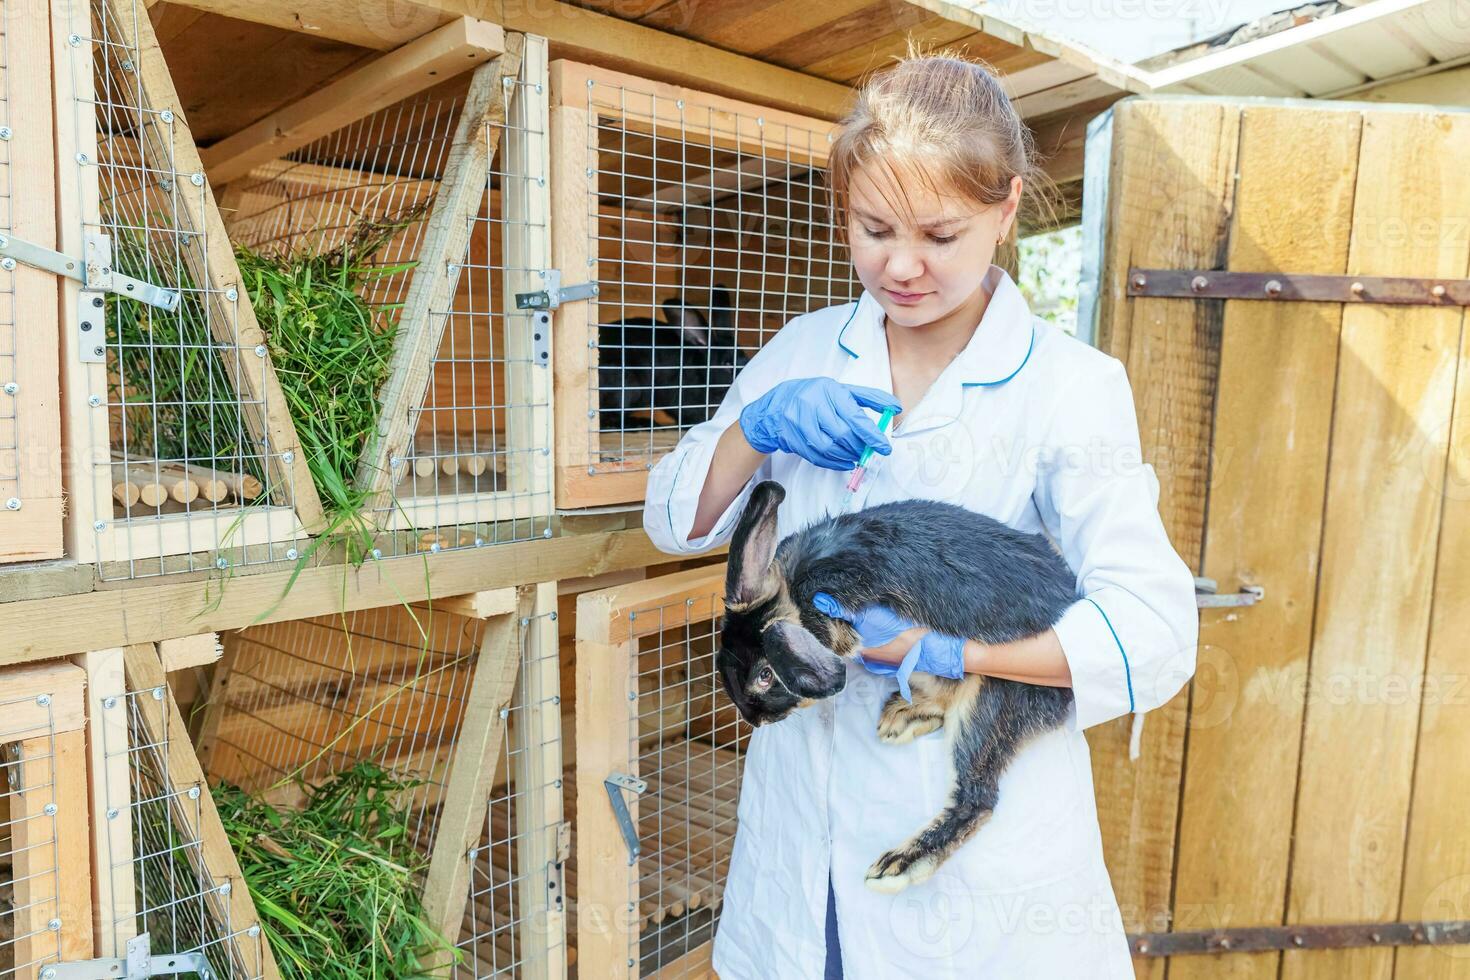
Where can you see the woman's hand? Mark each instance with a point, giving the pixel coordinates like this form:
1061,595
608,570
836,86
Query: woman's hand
818,419
893,644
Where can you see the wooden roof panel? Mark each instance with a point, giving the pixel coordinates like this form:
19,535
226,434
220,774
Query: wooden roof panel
855,29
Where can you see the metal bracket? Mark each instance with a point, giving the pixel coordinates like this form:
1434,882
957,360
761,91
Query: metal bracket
555,293
1255,939
95,273
1309,287
563,841
1206,597
92,327
139,964
541,338
615,784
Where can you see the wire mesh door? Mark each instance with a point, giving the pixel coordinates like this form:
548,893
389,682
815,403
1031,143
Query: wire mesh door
704,224
180,439
45,865
30,423
667,781
438,207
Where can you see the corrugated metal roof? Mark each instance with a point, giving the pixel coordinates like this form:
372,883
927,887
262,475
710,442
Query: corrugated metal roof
1332,57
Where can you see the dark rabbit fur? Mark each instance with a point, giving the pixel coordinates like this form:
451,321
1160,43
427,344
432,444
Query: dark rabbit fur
943,567
682,365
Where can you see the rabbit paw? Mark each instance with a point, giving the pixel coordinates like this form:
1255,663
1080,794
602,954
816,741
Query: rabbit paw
902,722
902,867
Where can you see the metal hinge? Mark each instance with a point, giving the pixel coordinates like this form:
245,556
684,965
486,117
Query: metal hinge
139,964
555,293
563,841
615,784
1308,287
1258,939
1206,597
95,271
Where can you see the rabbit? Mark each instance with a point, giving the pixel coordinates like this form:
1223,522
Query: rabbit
941,566
682,365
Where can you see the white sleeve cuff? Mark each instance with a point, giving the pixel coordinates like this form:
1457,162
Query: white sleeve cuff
1102,678
674,486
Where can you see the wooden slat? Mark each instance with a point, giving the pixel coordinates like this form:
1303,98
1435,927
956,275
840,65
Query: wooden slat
1390,430
263,405
182,652
607,928
474,605
51,868
1172,182
164,729
1437,859
575,32
114,898
1278,362
462,819
22,716
40,628
536,761
30,420
698,592
446,236
458,46
855,27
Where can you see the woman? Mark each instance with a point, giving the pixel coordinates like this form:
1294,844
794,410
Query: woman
1003,414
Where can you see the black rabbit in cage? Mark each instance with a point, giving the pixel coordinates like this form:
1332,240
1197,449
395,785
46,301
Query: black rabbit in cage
940,566
679,367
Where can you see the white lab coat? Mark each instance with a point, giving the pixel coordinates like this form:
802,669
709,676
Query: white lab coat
1037,430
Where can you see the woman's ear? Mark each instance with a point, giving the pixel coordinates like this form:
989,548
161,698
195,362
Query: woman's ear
753,547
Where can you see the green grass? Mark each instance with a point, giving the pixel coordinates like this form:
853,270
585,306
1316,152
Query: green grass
336,884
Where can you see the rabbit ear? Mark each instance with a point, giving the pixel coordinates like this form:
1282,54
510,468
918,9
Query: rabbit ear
805,666
691,322
749,575
722,308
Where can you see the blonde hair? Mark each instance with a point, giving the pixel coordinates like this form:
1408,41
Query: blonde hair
943,117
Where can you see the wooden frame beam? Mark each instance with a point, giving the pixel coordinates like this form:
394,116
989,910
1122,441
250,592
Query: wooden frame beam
443,53
574,32
53,627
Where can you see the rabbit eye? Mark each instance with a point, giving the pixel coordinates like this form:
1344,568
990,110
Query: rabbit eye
764,677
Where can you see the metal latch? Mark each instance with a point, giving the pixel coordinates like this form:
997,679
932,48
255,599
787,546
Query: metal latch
563,841
1206,595
139,964
95,272
615,784
555,293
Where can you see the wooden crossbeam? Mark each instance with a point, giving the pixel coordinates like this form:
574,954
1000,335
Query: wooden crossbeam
432,289
458,46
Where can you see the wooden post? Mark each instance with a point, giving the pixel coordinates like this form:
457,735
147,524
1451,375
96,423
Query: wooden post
471,773
431,291
110,792
51,865
536,758
163,727
526,246
30,413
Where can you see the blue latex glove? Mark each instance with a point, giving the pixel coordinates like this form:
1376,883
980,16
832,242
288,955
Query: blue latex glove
934,653
818,419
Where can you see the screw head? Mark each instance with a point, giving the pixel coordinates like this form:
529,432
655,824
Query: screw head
1273,287
48,974
504,713
13,503
193,792
82,159
377,553
54,925
479,542
224,888
109,702
197,180
260,350
1438,291
97,351
546,533
632,695
253,931
43,699
291,554
1139,281
288,457
166,115
4,132
760,120
679,103
99,526
95,400
7,263
222,562
1198,284
74,39
232,294
158,694
112,813
49,809
11,387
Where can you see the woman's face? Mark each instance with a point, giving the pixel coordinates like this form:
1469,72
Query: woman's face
924,263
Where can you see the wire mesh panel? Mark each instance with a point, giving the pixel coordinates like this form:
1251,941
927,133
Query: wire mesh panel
705,225
181,440
515,908
646,670
163,865
30,423
45,880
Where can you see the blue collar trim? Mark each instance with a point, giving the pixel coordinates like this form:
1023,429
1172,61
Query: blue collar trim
855,307
985,384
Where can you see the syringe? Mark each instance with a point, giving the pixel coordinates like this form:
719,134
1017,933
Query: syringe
856,479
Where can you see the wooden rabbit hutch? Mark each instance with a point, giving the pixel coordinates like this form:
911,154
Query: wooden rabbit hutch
703,223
